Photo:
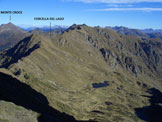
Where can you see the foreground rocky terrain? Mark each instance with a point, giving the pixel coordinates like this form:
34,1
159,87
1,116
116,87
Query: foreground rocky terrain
83,74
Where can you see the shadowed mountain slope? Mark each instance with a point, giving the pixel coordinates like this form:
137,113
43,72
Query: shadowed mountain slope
152,113
13,90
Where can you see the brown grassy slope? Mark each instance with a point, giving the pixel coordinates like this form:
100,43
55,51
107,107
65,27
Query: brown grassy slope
64,67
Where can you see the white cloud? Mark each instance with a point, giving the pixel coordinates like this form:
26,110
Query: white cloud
129,5
128,9
114,1
119,5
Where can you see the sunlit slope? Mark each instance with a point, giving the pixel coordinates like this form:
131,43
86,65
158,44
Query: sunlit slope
64,67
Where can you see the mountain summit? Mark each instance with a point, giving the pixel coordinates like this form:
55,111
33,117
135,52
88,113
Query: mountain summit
10,34
9,27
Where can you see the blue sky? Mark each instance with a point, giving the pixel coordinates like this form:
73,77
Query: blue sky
130,13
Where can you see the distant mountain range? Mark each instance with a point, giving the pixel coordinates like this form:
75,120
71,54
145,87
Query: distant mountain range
43,28
137,32
119,28
152,30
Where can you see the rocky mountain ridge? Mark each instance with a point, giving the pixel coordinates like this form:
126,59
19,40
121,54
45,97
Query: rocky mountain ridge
90,73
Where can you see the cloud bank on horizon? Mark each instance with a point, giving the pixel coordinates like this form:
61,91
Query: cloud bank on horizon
114,1
124,5
128,9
